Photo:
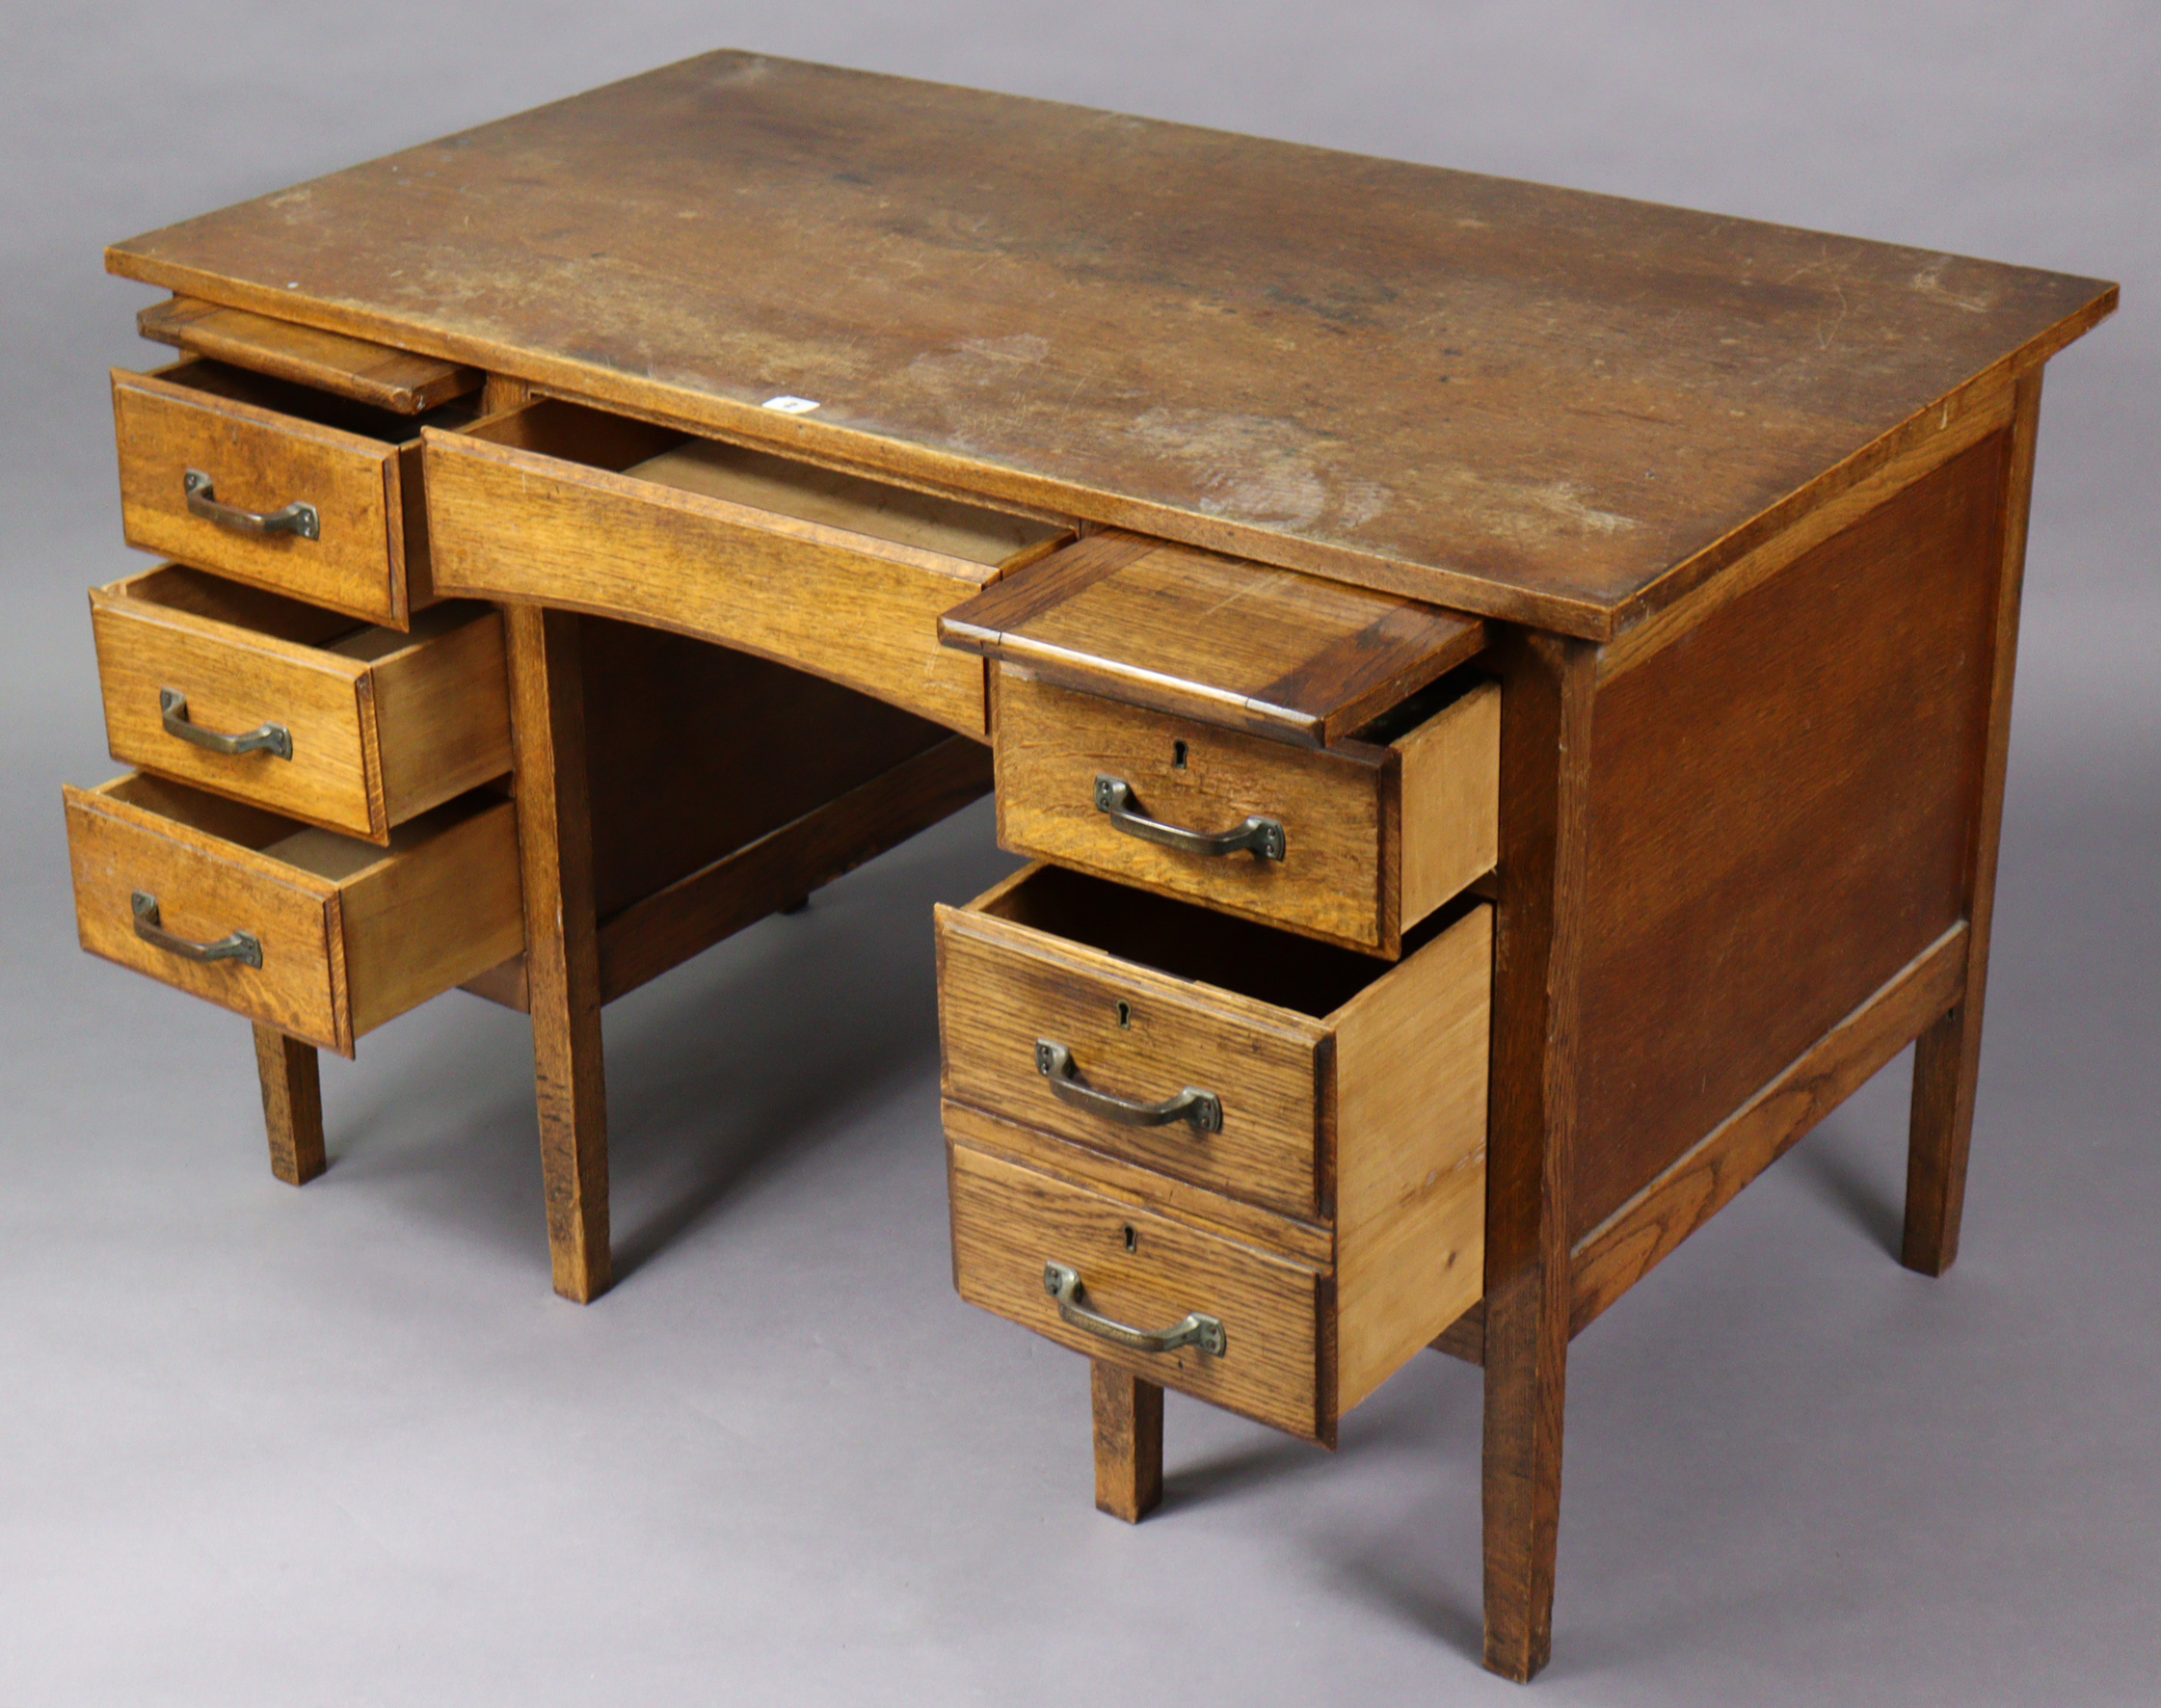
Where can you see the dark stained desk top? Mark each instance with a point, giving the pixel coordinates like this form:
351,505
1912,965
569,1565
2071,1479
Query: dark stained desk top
1528,403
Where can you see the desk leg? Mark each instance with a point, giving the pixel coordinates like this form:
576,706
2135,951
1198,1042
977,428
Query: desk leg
1947,1057
292,1105
1548,690
1128,1442
562,940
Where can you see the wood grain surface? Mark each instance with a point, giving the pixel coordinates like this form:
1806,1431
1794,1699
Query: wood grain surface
292,1104
1947,1057
1338,809
775,869
1129,1441
1120,1178
531,507
1780,820
562,942
442,706
440,905
787,486
1141,1034
352,934
394,380
202,858
1537,404
261,455
1548,698
1450,794
1008,1222
697,751
383,724
1212,637
1411,1071
1642,1233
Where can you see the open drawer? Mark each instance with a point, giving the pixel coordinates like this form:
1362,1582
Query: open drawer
281,485
829,573
316,934
1314,756
353,726
1191,1113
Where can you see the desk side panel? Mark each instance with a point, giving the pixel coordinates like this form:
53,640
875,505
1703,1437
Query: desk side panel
1781,804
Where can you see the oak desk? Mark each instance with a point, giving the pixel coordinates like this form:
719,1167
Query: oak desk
1510,686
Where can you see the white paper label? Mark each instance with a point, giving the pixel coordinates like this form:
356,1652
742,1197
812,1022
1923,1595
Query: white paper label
792,406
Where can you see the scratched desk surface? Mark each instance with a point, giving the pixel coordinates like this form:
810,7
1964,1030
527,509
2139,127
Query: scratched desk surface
1531,403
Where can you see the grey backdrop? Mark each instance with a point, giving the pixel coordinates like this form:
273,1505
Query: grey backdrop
342,1446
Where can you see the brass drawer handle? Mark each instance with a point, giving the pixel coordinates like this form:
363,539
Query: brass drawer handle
1055,1062
236,945
296,518
1262,838
273,738
1195,1330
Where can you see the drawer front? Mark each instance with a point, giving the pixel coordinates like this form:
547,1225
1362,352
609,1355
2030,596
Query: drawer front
357,736
322,937
1338,810
549,503
1147,1270
1006,990
259,461
207,890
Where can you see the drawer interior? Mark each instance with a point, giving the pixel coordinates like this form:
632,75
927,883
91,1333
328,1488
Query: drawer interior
1198,944
760,480
238,384
195,593
323,853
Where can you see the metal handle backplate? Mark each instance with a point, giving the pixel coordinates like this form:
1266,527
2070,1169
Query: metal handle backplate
1055,1062
297,517
1262,837
271,739
1064,1284
149,927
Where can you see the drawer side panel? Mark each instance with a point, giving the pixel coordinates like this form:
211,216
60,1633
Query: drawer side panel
434,915
1412,1069
1452,801
443,710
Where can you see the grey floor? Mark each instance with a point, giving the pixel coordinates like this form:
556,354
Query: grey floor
342,1446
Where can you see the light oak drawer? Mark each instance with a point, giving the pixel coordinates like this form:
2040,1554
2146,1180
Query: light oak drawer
829,573
1375,833
338,480
345,935
1289,749
1144,1268
354,728
1349,1095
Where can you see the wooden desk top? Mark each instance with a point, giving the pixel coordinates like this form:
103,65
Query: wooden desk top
1536,404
